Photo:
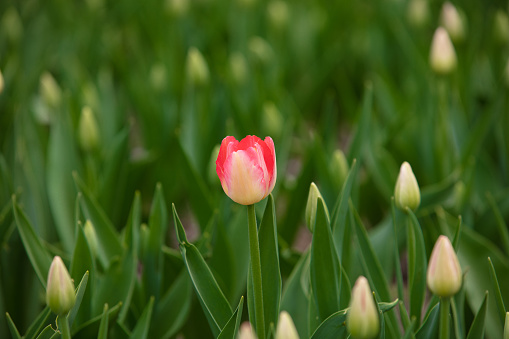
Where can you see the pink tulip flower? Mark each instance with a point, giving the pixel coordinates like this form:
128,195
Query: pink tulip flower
247,169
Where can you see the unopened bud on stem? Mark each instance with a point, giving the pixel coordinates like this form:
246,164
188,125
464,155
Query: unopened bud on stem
60,295
407,192
444,275
362,319
442,55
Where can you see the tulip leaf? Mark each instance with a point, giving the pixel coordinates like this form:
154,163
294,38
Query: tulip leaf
232,327
498,294
429,327
332,327
501,225
12,327
90,329
108,243
409,330
36,326
103,326
269,258
214,304
294,299
417,262
387,306
324,267
140,331
477,327
48,332
173,309
39,257
80,291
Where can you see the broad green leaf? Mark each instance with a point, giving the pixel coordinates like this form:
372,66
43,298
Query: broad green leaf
477,328
294,299
269,258
324,268
39,257
12,327
108,242
173,309
332,327
157,234
103,326
498,294
232,327
38,323
212,299
430,324
80,291
140,331
417,263
345,288
437,193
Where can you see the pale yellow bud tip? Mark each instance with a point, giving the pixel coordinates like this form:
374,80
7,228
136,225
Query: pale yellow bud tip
285,327
60,295
442,54
88,130
197,69
362,320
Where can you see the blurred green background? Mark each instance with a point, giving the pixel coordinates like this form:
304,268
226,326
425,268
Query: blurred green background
316,76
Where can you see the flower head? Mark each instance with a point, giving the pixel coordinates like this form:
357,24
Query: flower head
285,327
60,295
444,271
407,192
442,55
362,318
247,169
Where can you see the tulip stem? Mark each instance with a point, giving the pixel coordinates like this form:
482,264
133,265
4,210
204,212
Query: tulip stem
63,326
256,271
445,303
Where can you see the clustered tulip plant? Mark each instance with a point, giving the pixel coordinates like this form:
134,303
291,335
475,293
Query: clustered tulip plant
247,169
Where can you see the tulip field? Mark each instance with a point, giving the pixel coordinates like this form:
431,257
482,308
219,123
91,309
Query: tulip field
254,169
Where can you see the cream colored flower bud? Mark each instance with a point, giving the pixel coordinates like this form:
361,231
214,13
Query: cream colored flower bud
1,82
506,326
501,27
442,55
261,50
272,120
452,21
277,11
88,131
60,295
196,67
246,331
362,320
238,68
285,327
418,12
177,8
406,193
311,206
91,236
444,271
338,168
50,91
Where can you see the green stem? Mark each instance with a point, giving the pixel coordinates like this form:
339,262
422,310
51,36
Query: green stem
256,270
63,326
397,263
445,303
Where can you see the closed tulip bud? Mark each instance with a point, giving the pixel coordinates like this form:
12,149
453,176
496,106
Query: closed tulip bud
271,119
418,12
177,8
1,82
501,27
452,21
444,271
362,319
338,168
261,50
158,77
88,130
277,12
313,196
196,67
407,192
50,91
506,326
238,68
285,327
246,331
91,236
247,169
442,55
60,295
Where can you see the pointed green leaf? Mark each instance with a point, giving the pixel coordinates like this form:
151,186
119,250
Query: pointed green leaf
36,326
409,330
108,242
39,257
90,329
324,268
332,327
140,331
103,326
387,306
477,328
498,294
12,327
429,327
269,258
211,297
80,291
501,225
47,333
232,327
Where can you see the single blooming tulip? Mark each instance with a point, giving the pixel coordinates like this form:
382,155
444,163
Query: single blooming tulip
362,318
444,272
60,295
247,169
285,327
406,193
